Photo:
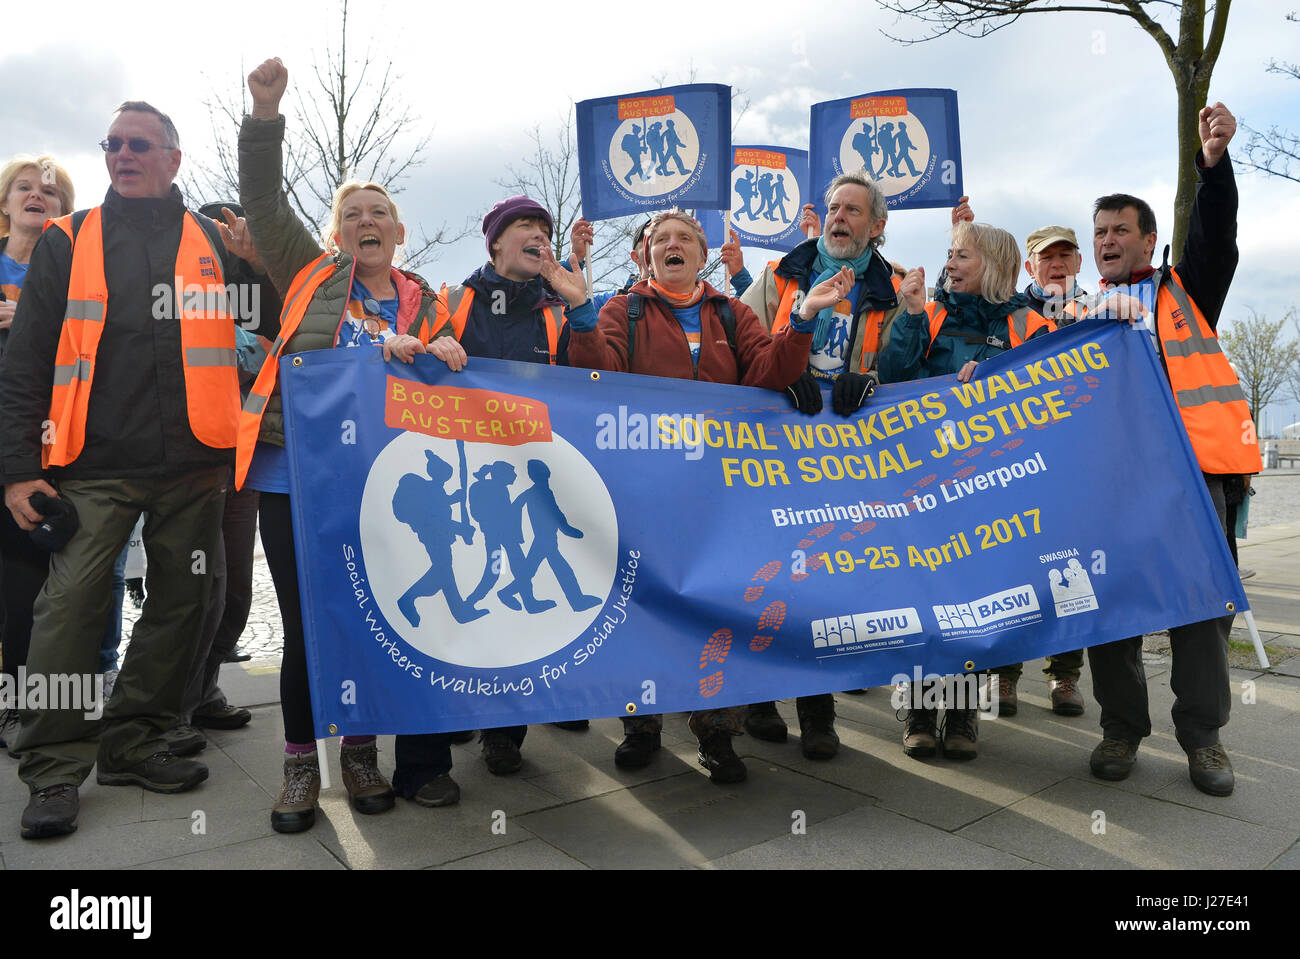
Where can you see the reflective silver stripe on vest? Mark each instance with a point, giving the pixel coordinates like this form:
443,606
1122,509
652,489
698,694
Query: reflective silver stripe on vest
80,370
1191,347
1209,394
1019,321
89,310
209,356
255,404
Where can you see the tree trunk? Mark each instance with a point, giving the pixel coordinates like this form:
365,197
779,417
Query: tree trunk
1190,102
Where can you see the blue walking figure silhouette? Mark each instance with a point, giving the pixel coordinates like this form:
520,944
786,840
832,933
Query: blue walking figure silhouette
501,523
765,191
654,141
671,142
632,146
745,190
885,137
903,148
865,145
548,522
425,506
779,196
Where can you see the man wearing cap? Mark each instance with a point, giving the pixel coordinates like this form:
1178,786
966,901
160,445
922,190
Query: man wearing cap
1053,264
504,311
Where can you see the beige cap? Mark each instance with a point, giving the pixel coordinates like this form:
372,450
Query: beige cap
1045,236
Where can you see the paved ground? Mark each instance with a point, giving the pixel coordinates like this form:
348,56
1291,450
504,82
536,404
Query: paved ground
1027,802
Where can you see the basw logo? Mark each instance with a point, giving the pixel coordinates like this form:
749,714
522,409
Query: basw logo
864,627
207,267
994,608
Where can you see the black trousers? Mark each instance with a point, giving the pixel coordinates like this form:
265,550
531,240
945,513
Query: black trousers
1202,695
419,758
24,571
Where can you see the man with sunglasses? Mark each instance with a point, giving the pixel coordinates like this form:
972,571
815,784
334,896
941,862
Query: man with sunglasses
119,395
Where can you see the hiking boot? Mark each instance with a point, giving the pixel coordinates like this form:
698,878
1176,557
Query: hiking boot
1211,772
817,738
51,811
762,721
1008,701
501,754
439,791
227,717
573,725
295,807
184,740
368,790
163,772
1066,698
1113,759
717,756
636,750
961,729
9,726
919,733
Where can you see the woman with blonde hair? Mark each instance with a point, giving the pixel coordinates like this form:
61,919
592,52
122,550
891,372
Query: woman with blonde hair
976,314
349,295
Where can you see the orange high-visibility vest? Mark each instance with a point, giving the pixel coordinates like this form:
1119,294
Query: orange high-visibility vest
1207,391
788,288
207,339
1021,325
299,297
555,318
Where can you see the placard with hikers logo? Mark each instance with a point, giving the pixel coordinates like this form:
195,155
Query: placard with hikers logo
641,152
517,543
769,186
908,141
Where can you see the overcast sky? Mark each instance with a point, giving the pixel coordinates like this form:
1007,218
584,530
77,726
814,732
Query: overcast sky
1055,110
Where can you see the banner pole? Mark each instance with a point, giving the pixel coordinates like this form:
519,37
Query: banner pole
590,250
324,759
1254,638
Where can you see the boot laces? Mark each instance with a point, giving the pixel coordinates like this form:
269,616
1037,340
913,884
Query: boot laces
363,765
298,781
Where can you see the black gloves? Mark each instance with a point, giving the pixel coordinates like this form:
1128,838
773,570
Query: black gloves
806,395
58,521
851,391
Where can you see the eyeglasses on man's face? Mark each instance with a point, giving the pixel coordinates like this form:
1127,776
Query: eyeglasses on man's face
137,145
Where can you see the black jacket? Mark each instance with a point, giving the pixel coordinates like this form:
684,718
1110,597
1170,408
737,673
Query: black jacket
136,423
1210,252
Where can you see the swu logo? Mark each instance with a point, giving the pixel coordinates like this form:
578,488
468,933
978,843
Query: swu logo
987,609
860,627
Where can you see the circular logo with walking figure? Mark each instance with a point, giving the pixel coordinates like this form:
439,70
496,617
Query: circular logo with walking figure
654,155
487,555
893,150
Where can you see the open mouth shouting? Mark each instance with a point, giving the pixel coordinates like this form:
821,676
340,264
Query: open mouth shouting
369,240
674,259
535,251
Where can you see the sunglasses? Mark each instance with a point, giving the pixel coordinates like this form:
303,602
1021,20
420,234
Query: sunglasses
137,145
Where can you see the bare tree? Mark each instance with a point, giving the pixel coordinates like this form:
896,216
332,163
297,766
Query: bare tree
1276,151
346,126
1264,357
1191,58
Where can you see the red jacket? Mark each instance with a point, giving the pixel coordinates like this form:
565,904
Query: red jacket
773,362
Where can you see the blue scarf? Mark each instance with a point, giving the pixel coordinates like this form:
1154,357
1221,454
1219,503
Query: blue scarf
827,266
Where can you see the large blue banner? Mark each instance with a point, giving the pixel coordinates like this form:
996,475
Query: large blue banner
656,149
769,186
520,543
907,140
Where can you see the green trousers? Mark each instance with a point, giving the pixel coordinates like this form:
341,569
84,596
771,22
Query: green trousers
60,745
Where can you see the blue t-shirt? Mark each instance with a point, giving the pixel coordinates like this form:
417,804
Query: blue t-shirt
689,318
12,275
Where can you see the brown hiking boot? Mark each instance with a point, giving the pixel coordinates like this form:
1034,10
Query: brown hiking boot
1113,759
1008,701
961,729
295,807
1066,698
367,788
919,733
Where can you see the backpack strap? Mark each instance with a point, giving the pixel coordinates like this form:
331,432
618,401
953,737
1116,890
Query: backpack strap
728,318
634,303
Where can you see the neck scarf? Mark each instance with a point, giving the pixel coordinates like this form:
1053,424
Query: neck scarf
827,266
676,300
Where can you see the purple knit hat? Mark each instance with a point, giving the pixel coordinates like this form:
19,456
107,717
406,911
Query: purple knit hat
506,212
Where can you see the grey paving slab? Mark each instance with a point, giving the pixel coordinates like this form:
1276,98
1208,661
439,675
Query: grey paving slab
869,838
270,852
686,820
1055,827
1265,793
11,787
1288,667
1288,860
529,854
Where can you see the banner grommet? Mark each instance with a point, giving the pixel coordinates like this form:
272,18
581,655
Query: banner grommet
595,376
631,708
970,665
1231,607
334,729
297,361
